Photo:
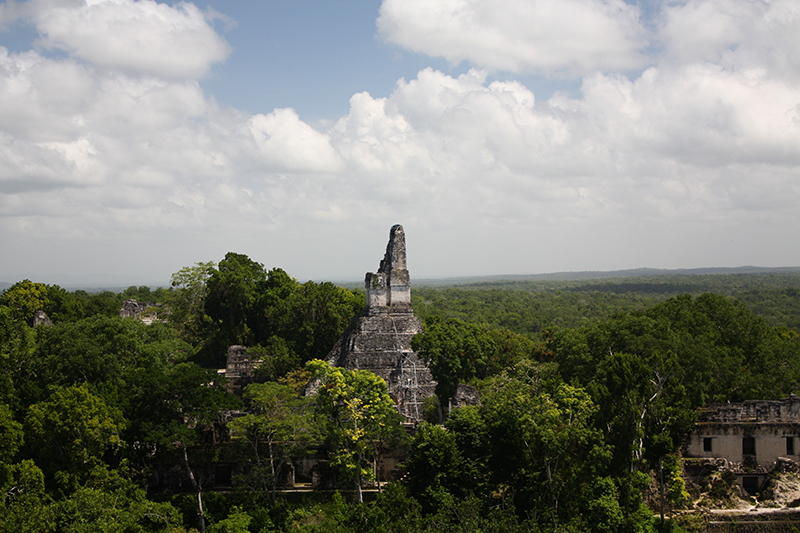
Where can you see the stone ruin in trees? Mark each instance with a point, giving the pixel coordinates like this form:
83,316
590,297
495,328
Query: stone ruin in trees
748,439
146,312
240,369
379,339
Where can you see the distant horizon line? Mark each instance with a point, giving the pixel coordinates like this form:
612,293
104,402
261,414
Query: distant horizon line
565,275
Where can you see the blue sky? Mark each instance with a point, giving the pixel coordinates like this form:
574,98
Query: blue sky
507,136
313,55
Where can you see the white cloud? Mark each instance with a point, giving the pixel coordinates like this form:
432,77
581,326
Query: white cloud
448,125
704,140
672,143
699,114
551,36
757,35
38,97
10,13
137,37
287,143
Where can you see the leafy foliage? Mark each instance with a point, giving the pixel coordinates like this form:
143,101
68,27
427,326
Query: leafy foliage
279,419
533,306
245,304
70,434
459,352
360,411
586,387
186,301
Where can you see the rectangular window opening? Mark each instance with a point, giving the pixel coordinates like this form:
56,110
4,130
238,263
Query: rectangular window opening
707,444
789,445
748,446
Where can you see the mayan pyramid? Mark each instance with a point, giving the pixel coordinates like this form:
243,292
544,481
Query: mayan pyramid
379,339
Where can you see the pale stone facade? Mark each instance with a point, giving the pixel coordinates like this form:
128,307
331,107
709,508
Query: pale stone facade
750,437
389,289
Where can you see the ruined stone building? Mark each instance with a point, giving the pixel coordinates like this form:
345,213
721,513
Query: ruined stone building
750,438
41,318
379,339
146,312
240,369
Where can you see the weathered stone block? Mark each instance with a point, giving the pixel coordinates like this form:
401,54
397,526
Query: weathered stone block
379,340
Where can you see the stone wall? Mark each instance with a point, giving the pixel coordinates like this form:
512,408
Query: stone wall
379,340
389,289
240,368
785,410
146,312
752,437
41,318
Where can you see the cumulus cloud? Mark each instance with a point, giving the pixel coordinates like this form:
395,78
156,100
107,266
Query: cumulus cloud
699,114
140,37
551,36
668,140
288,143
705,138
756,36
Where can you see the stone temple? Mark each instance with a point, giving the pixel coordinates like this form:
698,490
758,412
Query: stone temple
379,339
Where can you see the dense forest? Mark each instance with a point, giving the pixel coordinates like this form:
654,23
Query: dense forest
588,388
528,305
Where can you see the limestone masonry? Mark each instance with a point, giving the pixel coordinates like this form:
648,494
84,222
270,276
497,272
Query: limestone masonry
240,369
379,339
749,439
146,312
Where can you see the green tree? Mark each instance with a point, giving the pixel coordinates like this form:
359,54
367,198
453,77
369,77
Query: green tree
471,433
24,505
434,466
232,291
186,300
718,342
24,298
105,303
317,315
600,509
279,419
117,507
11,434
17,363
70,433
111,354
631,366
184,408
143,293
540,430
62,306
277,359
359,408
455,351
238,521
270,316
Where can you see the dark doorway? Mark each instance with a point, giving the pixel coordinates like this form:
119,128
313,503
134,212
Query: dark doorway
748,446
707,444
750,485
223,475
